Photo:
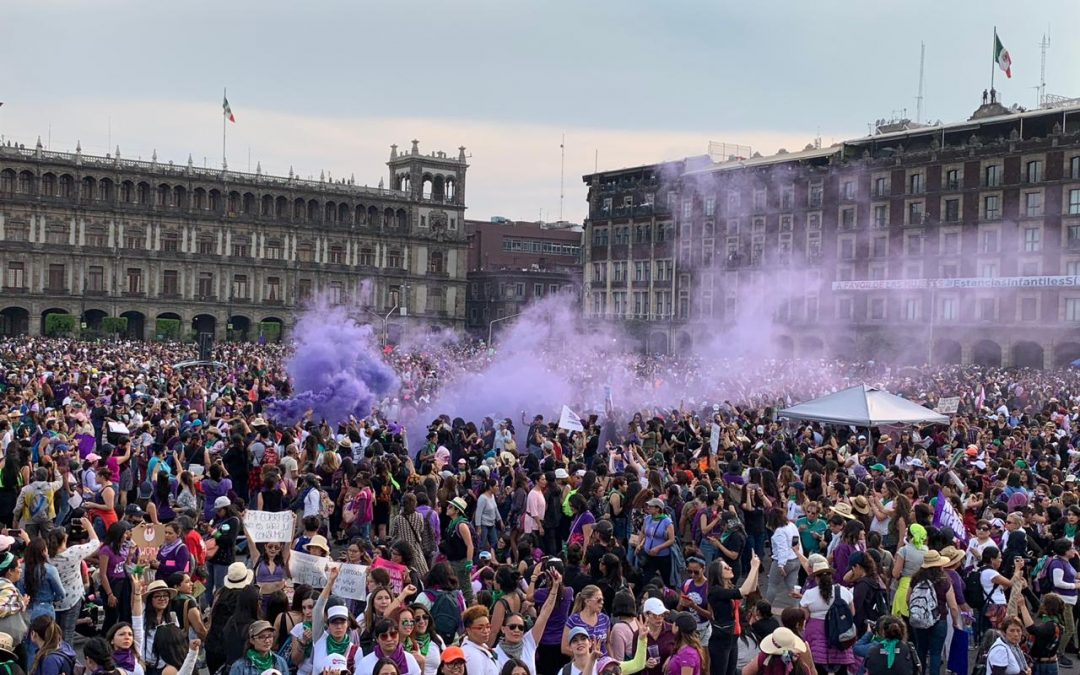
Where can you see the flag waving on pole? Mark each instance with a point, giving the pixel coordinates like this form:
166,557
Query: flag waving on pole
569,420
228,110
1001,56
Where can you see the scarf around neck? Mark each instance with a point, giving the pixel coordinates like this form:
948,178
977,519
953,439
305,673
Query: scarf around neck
334,646
168,550
262,662
398,657
513,651
889,647
125,658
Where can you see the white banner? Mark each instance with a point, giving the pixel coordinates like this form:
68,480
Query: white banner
263,526
570,420
351,583
968,282
305,568
948,406
714,438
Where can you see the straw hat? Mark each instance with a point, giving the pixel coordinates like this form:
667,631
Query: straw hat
954,555
842,510
159,585
782,640
818,566
860,504
318,541
459,504
7,647
238,576
934,559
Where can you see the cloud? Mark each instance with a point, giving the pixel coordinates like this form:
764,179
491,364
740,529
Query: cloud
514,167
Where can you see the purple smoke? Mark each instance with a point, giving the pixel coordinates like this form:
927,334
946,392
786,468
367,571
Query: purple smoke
336,369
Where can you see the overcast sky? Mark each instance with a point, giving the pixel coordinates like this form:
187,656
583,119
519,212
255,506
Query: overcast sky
329,85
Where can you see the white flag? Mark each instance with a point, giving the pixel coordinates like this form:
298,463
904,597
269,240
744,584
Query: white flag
570,420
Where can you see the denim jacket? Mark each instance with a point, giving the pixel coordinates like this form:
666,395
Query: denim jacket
50,590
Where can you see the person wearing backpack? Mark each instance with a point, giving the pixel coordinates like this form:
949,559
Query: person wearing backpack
931,601
1060,578
35,504
829,635
890,652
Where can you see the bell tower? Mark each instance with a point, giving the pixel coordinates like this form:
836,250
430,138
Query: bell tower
436,178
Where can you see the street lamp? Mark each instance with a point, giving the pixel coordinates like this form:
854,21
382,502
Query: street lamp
491,325
385,319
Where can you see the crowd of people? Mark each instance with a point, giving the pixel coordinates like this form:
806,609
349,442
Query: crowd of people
700,535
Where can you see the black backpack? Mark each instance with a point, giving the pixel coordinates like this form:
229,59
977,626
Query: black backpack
974,594
875,602
839,622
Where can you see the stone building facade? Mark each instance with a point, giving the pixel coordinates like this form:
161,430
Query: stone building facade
948,244
235,254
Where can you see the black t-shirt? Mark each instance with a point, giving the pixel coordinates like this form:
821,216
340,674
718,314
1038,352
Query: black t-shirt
735,542
722,603
227,531
1044,639
906,662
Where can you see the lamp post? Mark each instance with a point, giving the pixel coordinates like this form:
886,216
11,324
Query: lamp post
491,325
385,319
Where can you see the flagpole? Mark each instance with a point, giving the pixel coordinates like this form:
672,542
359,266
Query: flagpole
993,59
224,126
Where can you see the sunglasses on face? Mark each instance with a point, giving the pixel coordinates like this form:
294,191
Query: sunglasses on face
515,626
388,635
421,617
408,622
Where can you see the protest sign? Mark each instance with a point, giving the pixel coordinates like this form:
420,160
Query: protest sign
399,574
305,568
148,535
570,420
946,516
948,406
351,583
714,438
263,526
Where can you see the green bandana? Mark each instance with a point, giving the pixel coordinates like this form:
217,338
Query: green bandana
337,646
889,647
262,662
424,640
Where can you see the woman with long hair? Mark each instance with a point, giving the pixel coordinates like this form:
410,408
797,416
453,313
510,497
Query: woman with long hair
98,658
40,581
408,527
69,566
270,562
588,613
406,623
784,574
429,643
173,556
388,645
186,607
689,656
158,612
125,651
724,600
186,496
14,474
248,610
163,498
223,607
52,656
113,558
869,592
101,503
518,644
611,579
817,601
174,650
510,599
908,561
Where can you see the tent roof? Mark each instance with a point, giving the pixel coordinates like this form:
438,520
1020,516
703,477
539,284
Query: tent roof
863,406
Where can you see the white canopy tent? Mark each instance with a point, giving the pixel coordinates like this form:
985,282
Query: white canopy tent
863,406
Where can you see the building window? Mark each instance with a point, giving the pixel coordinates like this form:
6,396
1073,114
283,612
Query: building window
992,175
759,200
56,278
619,271
273,250
948,309
813,221
1073,237
605,207
950,243
881,215
952,210
786,223
787,197
1072,309
915,213
992,207
987,309
847,249
367,256
273,289
133,239
305,252
1033,171
847,189
335,292
134,280
881,186
240,287
845,308
96,237
877,309
661,233
206,246
206,285
240,249
1029,309
911,309
170,283
687,208
915,184
304,288
710,206
879,246
436,263
814,195
1074,202
95,279
1032,204
337,255
732,200
988,270
394,259
952,179
847,218
16,275
599,270
600,236
622,235
170,242
1032,239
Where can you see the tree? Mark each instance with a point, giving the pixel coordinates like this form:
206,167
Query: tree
60,324
167,329
114,325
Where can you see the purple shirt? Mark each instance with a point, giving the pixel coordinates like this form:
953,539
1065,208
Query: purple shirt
687,657
212,490
578,526
840,562
554,628
178,560
598,632
957,584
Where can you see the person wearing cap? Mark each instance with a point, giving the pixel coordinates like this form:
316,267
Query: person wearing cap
259,656
457,544
689,654
659,633
453,662
654,546
221,545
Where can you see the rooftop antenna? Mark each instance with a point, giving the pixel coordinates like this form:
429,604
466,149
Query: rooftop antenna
919,98
562,173
1045,47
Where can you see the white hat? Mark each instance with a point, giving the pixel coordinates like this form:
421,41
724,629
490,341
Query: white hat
222,502
654,606
579,473
337,611
561,474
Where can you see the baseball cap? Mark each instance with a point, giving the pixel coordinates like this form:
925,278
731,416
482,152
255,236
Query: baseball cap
222,502
258,627
654,606
337,612
577,631
451,654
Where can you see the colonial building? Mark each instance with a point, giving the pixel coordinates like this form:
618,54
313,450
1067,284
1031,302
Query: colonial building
514,263
231,253
949,243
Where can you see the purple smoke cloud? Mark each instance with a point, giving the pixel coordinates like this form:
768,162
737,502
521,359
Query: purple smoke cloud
336,370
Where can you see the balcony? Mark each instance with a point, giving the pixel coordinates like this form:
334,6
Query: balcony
133,294
96,292
21,290
55,290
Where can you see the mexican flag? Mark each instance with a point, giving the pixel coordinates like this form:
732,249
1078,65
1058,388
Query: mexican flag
1001,56
232,118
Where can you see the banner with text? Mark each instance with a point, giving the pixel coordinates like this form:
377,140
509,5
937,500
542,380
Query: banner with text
976,283
263,526
946,516
305,568
351,583
399,574
948,406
